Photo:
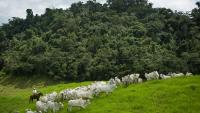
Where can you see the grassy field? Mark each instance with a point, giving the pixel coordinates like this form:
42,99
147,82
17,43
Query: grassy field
15,92
177,95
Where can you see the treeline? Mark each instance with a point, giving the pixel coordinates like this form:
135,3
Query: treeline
93,41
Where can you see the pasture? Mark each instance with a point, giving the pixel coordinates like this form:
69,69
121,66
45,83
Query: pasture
175,95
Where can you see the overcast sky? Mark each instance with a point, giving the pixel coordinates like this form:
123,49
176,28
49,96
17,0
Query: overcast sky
17,8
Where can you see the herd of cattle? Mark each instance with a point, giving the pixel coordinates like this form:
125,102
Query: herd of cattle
80,96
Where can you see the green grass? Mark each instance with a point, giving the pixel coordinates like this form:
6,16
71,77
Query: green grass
15,92
177,95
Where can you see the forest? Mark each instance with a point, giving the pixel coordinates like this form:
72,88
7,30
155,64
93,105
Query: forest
93,41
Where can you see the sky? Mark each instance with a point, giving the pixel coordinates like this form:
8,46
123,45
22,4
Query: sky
17,8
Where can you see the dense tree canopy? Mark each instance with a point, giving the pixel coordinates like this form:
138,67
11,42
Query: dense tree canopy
93,41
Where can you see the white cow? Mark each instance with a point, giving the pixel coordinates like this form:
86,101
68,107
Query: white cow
129,79
44,99
49,97
96,85
152,76
77,103
30,111
70,94
140,80
126,80
52,96
84,94
188,74
162,76
111,81
134,78
105,88
177,75
41,106
54,106
117,81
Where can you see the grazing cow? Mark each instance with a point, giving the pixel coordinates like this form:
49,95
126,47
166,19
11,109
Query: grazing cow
117,81
111,81
77,103
52,96
84,94
177,75
105,88
44,99
54,106
125,80
162,76
152,76
129,79
188,74
140,80
134,78
30,111
41,106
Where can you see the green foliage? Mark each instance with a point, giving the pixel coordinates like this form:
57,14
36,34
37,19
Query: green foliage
93,41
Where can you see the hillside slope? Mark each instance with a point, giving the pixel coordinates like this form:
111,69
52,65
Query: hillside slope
177,95
13,98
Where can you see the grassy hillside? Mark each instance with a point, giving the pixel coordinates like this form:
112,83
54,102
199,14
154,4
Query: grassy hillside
14,93
177,95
